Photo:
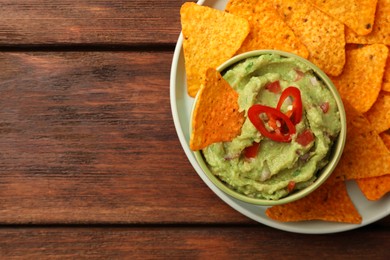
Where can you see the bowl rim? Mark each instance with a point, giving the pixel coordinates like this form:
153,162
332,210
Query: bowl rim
334,156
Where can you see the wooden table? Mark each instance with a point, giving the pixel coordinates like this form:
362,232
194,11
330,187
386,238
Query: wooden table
90,162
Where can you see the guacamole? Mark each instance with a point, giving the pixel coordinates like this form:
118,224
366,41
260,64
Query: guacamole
277,167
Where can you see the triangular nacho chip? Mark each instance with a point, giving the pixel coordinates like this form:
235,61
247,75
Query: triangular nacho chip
380,31
358,15
376,187
216,117
321,34
361,80
328,203
379,114
365,154
210,37
268,30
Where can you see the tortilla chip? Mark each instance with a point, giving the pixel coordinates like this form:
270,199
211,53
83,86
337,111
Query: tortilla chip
386,138
358,15
386,76
380,31
210,38
379,114
361,79
268,30
216,117
321,34
328,203
376,187
365,154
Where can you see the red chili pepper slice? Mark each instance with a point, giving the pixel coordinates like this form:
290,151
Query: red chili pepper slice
251,151
296,113
277,135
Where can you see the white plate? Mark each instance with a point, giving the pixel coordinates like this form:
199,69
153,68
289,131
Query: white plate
181,105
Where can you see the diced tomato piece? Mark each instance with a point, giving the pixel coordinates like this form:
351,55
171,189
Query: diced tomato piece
274,87
325,107
251,151
305,138
291,186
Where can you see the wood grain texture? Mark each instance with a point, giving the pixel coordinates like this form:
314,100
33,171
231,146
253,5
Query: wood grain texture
88,137
223,242
124,22
90,163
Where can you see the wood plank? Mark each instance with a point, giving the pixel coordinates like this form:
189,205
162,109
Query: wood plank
255,242
88,137
113,22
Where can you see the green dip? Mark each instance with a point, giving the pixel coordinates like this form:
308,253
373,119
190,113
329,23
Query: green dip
277,164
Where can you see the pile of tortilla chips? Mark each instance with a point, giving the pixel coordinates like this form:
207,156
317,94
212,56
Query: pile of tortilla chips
349,40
